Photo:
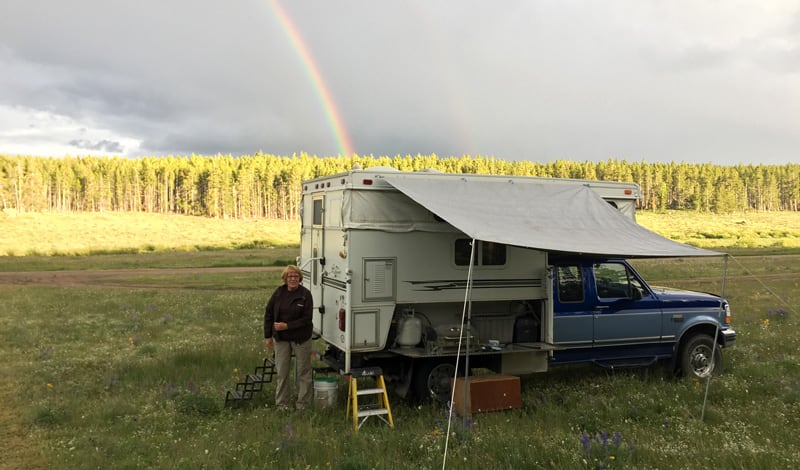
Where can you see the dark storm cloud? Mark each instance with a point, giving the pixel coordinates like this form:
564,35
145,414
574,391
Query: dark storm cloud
693,81
103,145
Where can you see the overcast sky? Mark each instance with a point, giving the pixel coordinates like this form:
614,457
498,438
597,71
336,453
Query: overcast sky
694,81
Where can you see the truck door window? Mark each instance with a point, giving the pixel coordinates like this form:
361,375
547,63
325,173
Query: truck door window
614,280
487,253
570,284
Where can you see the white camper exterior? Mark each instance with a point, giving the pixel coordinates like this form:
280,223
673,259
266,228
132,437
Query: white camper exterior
392,281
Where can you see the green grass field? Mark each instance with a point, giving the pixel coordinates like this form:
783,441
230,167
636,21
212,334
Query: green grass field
740,231
123,233
125,376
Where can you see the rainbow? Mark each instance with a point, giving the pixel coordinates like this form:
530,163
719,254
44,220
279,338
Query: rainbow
321,89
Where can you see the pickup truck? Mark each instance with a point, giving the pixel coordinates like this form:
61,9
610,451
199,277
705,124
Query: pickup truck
605,313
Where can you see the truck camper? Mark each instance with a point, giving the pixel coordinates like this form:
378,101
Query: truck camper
423,272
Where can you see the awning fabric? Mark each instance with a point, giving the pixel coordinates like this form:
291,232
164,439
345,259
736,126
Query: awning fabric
562,218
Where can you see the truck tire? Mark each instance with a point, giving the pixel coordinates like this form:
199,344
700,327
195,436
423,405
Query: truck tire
696,355
432,380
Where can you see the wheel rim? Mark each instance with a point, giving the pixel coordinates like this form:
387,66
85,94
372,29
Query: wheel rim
700,360
439,381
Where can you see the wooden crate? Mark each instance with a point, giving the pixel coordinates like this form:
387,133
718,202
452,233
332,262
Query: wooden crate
487,393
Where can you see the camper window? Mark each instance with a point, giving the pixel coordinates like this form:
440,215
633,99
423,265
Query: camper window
486,254
317,212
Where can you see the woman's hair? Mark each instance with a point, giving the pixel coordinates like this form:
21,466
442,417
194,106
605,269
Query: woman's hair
291,269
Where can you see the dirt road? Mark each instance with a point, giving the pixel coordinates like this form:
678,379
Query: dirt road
107,277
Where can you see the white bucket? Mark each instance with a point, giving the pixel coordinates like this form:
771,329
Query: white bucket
325,391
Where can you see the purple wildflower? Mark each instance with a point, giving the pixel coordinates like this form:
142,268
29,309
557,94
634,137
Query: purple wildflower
586,442
193,387
169,389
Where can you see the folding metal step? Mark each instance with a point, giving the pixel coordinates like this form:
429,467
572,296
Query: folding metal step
252,383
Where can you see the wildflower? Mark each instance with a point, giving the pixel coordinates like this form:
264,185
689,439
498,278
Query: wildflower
50,386
585,442
193,387
169,389
611,457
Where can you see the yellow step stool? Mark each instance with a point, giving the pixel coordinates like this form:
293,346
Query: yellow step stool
362,411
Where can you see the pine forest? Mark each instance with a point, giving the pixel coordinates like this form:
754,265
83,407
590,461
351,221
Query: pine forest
268,186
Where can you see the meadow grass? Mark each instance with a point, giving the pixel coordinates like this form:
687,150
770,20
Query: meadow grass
109,233
740,230
89,233
133,374
131,377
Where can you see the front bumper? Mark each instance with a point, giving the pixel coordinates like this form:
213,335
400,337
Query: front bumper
728,337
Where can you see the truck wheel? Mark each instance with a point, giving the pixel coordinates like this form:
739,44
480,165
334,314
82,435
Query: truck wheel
432,381
696,357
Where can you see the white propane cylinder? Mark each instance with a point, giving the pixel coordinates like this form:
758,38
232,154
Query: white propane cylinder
409,331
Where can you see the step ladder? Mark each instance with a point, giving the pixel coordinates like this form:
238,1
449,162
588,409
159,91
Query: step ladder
377,406
252,383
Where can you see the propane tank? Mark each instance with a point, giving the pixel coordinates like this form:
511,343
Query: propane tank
409,330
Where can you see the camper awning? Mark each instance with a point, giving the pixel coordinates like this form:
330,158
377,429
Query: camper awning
564,218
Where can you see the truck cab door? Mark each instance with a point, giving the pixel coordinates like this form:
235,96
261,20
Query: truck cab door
625,312
573,317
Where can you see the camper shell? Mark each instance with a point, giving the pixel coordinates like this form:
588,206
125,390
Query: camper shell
410,271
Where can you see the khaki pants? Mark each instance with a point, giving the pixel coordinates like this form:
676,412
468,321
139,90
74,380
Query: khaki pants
283,364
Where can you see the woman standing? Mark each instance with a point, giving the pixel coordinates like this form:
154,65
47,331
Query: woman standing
287,329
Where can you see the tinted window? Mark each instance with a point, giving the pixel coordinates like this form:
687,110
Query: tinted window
613,280
317,212
493,254
487,253
570,284
463,251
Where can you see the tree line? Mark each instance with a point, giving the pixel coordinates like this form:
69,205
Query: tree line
269,186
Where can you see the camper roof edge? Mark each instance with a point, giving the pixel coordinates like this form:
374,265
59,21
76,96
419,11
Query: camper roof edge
372,178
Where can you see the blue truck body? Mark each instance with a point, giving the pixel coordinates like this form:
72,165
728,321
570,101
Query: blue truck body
606,313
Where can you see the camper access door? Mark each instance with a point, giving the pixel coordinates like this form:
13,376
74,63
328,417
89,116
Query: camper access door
317,252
